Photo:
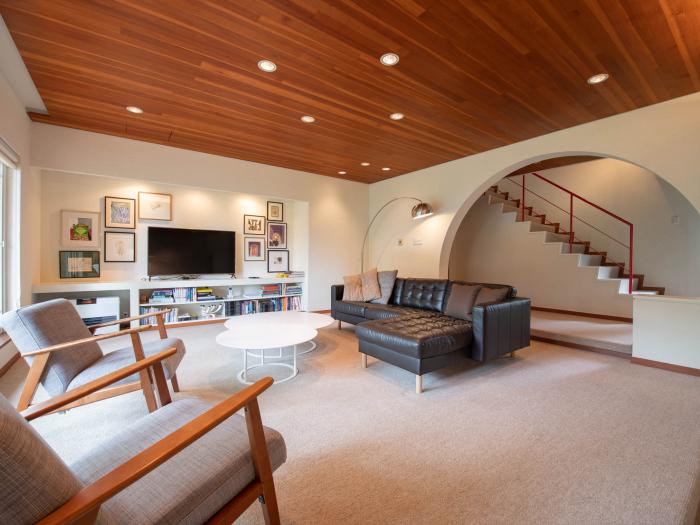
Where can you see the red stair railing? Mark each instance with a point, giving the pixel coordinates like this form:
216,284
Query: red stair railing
572,196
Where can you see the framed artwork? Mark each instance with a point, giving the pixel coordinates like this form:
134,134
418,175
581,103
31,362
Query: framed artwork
254,249
277,261
275,211
120,213
155,206
253,225
120,247
80,229
78,264
276,234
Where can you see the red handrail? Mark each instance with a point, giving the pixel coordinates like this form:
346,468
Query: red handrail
572,196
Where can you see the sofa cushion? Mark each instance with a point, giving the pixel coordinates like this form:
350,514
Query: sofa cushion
428,294
352,288
418,336
491,295
192,485
461,300
386,285
356,308
370,285
381,311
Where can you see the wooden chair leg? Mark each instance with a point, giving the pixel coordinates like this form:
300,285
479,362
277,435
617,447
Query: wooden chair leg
176,385
144,376
364,360
261,463
32,382
419,384
161,384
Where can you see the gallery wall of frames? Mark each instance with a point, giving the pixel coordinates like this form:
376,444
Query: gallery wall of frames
96,227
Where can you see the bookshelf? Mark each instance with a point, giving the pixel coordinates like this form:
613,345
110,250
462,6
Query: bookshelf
236,296
210,302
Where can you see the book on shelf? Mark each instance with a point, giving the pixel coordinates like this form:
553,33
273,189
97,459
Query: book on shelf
170,317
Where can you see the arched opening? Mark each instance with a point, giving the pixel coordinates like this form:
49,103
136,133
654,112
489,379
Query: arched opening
559,230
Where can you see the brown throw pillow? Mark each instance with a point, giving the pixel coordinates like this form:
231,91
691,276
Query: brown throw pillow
387,279
491,295
461,300
353,288
370,285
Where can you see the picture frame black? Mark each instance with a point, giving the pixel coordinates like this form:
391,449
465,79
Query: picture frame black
272,214
109,256
273,266
276,235
249,221
68,259
109,223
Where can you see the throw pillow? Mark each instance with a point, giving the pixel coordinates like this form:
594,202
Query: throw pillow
461,300
491,295
387,279
370,285
353,288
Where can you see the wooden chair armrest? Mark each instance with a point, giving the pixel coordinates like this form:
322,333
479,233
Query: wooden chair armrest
89,498
94,327
70,396
78,342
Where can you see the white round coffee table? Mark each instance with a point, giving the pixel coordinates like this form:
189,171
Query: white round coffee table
264,336
308,319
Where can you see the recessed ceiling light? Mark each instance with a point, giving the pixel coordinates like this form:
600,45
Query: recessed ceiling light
389,59
364,163
268,66
134,109
342,172
597,79
308,119
396,116
386,169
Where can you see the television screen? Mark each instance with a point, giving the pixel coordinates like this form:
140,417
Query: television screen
175,251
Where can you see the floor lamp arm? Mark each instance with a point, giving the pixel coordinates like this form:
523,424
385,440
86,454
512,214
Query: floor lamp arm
369,226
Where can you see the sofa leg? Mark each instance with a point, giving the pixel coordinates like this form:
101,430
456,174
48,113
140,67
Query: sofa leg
364,360
511,355
340,327
419,384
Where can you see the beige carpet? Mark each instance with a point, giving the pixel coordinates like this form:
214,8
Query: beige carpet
553,436
597,333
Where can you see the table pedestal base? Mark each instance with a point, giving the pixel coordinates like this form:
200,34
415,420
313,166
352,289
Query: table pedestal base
243,374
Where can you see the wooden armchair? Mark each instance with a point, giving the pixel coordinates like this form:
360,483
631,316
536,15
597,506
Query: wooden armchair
188,462
63,353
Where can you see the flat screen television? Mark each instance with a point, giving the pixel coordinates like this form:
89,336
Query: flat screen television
179,251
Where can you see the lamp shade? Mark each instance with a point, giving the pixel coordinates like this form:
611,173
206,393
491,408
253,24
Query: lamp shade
421,210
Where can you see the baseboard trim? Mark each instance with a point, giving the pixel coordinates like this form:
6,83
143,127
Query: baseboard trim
582,314
9,363
667,366
579,346
321,311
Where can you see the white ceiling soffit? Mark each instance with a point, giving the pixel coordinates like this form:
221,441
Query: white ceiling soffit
15,72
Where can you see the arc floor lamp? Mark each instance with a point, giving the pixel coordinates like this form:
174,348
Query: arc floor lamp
419,211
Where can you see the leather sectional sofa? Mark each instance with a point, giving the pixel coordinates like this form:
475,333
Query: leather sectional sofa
413,332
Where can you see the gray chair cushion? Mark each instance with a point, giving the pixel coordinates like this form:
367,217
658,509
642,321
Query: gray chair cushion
386,278
50,323
125,356
191,486
33,479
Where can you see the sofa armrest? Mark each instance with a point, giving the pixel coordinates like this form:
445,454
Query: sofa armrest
336,295
500,328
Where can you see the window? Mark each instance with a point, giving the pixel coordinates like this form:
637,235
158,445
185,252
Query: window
9,164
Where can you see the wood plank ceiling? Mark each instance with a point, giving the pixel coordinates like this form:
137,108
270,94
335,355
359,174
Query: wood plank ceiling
473,74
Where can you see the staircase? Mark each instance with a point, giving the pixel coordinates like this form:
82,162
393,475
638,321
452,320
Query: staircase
589,257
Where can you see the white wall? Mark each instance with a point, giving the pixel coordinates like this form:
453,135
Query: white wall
666,330
337,209
667,254
661,138
192,208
